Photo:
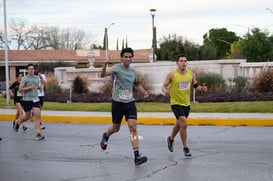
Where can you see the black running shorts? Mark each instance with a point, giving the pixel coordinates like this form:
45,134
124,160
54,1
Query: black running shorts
18,100
28,105
179,110
41,98
120,109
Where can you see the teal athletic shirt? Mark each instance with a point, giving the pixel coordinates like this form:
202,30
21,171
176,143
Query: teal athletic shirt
30,95
123,80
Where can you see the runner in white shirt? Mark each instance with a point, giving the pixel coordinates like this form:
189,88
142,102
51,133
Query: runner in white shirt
41,90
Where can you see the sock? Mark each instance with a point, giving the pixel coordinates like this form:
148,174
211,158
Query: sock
37,132
136,152
106,136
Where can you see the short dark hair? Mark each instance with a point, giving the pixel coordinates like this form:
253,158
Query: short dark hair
29,65
17,75
180,55
35,67
128,50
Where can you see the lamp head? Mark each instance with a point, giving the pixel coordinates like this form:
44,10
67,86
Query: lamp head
153,12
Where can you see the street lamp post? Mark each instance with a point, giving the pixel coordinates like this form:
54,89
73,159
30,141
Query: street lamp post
218,39
6,53
153,28
106,40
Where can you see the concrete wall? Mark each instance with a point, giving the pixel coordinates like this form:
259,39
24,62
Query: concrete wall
156,72
251,70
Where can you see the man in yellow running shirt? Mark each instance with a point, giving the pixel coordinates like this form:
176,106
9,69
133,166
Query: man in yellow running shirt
178,85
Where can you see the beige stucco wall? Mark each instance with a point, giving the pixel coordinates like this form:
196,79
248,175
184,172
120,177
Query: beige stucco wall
156,72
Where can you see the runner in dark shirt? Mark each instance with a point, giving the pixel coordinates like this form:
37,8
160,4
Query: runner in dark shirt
17,97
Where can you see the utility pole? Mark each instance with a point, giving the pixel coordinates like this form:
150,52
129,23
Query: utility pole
152,11
6,54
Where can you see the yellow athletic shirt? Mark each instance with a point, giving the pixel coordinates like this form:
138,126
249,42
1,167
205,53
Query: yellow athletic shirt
180,88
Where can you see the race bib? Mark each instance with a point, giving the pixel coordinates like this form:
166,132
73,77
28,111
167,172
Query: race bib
36,100
125,95
19,94
184,85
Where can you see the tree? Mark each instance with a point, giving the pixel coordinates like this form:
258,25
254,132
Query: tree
20,32
172,45
126,43
117,45
71,39
41,37
122,47
257,46
34,37
236,50
95,46
221,40
37,37
2,41
105,39
54,38
207,52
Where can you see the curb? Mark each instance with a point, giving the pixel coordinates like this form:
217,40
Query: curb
261,122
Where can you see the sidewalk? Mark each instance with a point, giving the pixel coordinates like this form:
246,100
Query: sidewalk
153,118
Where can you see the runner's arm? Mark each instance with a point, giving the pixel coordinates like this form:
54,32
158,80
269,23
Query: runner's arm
198,87
103,72
167,81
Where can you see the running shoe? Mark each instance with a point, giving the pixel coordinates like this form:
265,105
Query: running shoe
16,126
42,126
39,137
140,159
104,141
170,144
187,152
24,128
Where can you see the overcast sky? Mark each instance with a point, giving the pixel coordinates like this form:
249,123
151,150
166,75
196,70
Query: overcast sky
132,19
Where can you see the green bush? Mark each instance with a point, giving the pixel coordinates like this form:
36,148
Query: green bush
53,88
214,82
240,84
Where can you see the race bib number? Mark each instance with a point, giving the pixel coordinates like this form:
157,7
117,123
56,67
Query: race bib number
19,94
183,85
125,95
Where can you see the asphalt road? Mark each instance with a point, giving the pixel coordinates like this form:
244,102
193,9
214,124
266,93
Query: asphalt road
70,152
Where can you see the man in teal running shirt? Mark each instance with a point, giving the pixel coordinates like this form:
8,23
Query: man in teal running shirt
124,80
